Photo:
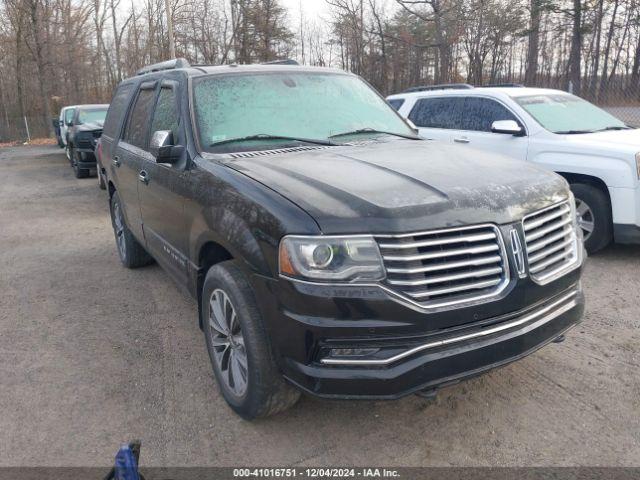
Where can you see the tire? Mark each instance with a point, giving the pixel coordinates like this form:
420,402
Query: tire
68,150
265,392
594,216
101,182
131,253
78,172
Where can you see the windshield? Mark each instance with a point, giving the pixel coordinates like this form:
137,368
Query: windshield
563,113
313,106
91,116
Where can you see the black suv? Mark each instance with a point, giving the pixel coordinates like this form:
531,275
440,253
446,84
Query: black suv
330,249
84,131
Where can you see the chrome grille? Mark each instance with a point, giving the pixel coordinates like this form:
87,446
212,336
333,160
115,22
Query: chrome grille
446,267
551,241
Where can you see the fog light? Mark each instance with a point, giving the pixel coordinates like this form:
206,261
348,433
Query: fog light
352,352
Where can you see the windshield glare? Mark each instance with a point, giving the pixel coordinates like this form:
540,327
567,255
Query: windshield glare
91,116
302,105
560,113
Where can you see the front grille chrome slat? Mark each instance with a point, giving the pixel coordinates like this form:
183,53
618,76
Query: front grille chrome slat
459,288
448,278
444,241
448,267
548,228
551,242
442,254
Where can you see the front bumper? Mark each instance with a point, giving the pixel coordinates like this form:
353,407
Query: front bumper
402,351
441,359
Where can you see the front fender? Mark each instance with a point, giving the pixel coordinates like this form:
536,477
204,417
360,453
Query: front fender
614,172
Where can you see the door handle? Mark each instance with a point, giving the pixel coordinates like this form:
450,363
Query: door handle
461,140
143,177
116,161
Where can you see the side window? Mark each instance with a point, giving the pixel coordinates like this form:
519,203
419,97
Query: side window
165,116
138,124
480,113
116,110
437,113
68,115
396,103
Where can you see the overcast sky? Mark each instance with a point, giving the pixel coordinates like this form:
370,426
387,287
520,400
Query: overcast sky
311,8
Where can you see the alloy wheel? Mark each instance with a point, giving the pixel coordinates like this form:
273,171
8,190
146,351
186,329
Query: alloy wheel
585,218
118,228
227,343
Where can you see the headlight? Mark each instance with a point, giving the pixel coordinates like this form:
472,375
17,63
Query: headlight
325,258
638,164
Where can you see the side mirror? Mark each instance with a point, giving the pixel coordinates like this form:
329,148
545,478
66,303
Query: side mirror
508,127
162,147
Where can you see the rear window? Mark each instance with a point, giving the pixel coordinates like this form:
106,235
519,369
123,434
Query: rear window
138,126
437,113
116,110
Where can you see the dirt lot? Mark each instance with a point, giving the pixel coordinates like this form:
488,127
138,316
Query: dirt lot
92,354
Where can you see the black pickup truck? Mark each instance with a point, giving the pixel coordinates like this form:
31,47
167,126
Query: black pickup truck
83,132
330,249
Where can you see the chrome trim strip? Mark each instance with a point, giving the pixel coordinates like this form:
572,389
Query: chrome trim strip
445,253
575,255
547,314
478,237
446,266
447,278
458,288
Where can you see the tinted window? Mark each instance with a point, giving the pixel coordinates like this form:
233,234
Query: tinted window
166,115
396,103
436,112
138,125
480,113
117,108
68,114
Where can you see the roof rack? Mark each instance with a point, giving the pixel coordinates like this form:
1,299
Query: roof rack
504,85
447,86
168,65
286,61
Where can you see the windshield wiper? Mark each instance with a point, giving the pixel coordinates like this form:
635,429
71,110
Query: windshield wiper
617,127
265,136
373,130
574,132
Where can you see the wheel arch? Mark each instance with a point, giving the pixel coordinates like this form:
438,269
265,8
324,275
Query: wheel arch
588,180
211,253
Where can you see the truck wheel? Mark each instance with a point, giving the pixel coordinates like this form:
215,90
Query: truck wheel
132,254
68,150
594,216
79,172
239,347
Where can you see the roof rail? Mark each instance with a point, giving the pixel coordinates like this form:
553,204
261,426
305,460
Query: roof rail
504,85
286,61
447,86
168,65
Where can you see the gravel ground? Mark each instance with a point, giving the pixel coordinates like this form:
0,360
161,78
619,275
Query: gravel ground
92,354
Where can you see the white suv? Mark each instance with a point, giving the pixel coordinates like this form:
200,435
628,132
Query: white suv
597,153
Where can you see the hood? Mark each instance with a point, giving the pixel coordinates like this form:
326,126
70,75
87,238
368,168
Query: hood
610,138
404,185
